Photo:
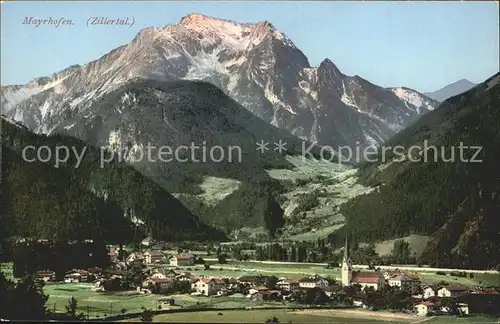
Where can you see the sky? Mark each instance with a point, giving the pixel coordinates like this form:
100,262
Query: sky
420,45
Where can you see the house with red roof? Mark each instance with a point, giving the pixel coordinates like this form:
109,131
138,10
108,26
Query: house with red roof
155,282
372,279
208,286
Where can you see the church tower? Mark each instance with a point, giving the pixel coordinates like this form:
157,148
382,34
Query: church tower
346,267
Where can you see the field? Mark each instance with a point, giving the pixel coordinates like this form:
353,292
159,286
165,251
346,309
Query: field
236,269
463,320
480,279
299,270
314,316
99,304
94,303
260,316
417,245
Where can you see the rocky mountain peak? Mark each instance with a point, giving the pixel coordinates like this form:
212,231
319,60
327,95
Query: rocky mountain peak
200,21
255,64
329,68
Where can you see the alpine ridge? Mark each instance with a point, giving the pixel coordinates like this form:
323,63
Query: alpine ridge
255,64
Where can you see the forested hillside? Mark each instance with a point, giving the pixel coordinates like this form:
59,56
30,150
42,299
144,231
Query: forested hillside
88,201
450,197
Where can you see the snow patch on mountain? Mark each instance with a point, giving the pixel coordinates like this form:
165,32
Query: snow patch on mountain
277,101
345,98
70,126
207,65
413,98
44,109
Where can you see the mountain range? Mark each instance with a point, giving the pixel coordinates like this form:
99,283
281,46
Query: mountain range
217,83
439,190
254,64
451,90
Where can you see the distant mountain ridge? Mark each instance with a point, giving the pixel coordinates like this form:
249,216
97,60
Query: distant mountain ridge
451,90
254,64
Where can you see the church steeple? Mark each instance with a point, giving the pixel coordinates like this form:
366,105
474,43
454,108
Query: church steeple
346,267
345,250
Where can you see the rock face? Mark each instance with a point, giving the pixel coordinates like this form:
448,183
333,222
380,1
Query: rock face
255,64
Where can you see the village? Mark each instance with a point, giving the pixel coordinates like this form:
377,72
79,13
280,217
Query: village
167,277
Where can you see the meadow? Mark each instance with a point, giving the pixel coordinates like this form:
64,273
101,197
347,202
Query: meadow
102,304
260,316
478,279
97,304
314,316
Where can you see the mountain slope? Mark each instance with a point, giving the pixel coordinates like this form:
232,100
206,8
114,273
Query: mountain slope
451,90
455,200
146,117
82,199
254,64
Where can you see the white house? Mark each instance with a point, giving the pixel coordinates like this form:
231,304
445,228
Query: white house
182,260
313,282
163,274
428,292
157,275
208,287
76,276
451,291
404,283
463,308
288,285
424,308
150,283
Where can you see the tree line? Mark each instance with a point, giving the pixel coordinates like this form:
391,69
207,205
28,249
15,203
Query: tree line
88,201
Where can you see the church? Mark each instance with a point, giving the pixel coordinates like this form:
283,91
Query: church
373,279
